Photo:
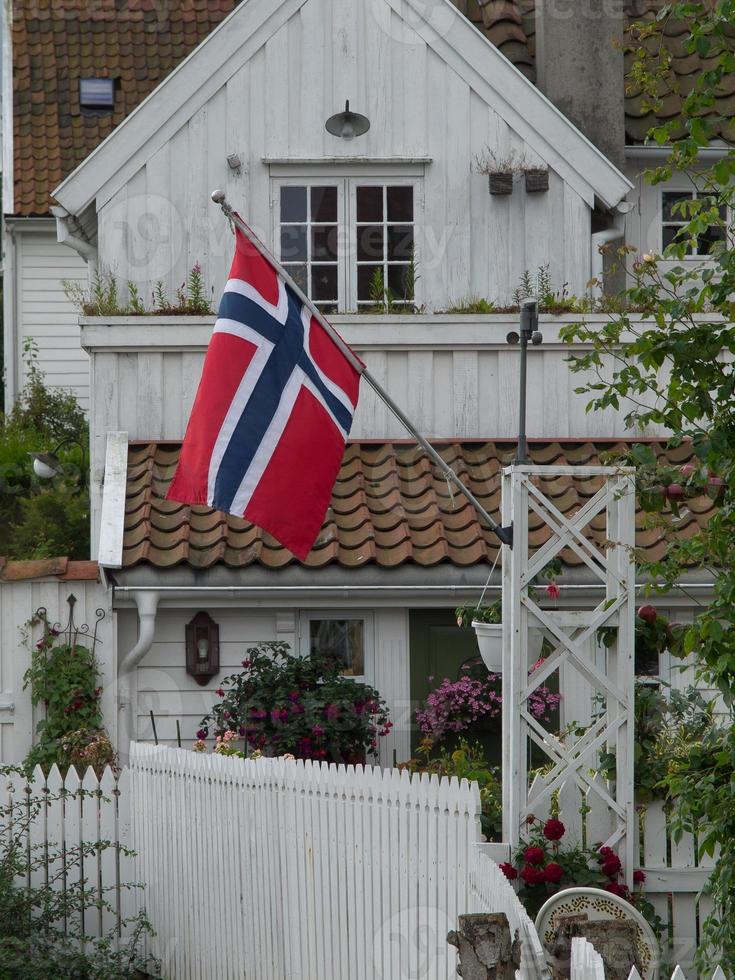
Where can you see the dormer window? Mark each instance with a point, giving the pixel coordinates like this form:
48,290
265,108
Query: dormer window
97,93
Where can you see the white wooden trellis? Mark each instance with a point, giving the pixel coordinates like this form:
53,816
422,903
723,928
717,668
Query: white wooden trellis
573,637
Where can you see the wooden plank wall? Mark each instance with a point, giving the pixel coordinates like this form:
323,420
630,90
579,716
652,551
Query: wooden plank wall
45,314
470,244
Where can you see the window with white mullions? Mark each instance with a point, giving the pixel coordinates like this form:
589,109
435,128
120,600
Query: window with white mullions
674,220
384,225
309,230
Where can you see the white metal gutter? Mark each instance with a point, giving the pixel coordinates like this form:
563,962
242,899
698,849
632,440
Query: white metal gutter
147,602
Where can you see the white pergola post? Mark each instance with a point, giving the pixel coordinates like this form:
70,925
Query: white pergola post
610,492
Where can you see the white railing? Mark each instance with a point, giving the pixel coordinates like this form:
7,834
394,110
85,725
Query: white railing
275,868
587,964
56,820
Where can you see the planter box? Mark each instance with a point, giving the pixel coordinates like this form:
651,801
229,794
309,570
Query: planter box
501,183
537,181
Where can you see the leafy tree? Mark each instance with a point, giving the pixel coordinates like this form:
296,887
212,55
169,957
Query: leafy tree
674,368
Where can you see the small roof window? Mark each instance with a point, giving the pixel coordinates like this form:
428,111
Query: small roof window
97,93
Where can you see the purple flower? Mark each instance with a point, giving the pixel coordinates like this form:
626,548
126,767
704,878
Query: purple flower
202,733
331,711
317,731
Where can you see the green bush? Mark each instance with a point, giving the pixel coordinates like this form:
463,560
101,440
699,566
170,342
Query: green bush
43,519
41,933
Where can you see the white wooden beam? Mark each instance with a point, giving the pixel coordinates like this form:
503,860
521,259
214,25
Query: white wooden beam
113,500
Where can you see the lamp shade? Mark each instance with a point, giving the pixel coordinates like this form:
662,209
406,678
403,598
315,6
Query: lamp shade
347,125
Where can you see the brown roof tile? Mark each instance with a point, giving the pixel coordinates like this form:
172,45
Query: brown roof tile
57,42
389,507
59,568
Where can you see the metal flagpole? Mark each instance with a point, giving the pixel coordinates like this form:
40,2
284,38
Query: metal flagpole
505,534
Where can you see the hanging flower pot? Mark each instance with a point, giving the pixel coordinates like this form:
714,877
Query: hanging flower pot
490,642
501,183
537,181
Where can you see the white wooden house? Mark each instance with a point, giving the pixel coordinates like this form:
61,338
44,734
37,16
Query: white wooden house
246,111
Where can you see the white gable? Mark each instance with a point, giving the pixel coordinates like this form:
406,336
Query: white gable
438,95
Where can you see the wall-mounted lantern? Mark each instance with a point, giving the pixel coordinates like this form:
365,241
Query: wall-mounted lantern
202,648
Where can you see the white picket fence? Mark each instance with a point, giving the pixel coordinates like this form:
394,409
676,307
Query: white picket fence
587,964
56,819
675,874
275,868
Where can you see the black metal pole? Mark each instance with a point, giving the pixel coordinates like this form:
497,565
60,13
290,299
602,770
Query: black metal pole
529,327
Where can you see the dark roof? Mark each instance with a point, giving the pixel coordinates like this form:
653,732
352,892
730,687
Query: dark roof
510,25
57,42
390,507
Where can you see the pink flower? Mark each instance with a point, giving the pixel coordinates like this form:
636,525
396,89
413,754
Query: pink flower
331,711
552,590
219,692
317,731
247,663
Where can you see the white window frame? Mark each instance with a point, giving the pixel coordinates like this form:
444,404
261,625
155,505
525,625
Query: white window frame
347,184
304,639
695,193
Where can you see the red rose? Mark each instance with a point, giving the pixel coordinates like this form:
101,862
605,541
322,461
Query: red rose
611,866
639,877
534,855
553,873
533,876
617,889
554,829
606,852
508,870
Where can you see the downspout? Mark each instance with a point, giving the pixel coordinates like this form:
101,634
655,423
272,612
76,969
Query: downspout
147,603
69,233
605,237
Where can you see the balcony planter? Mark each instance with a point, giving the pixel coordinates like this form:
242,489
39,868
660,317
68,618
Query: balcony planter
490,641
537,181
501,183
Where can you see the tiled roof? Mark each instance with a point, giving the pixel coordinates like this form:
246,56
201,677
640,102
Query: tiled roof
389,507
510,25
60,568
57,42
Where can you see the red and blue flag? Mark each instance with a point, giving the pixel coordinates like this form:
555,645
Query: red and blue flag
273,410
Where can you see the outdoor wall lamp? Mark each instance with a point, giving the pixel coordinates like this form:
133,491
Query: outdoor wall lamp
202,648
48,465
347,125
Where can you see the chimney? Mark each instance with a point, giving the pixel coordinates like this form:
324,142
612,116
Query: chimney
579,59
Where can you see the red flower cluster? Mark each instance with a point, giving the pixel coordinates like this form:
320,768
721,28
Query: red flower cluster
508,870
554,829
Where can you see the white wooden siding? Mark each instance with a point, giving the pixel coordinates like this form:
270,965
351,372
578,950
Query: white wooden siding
165,688
18,603
161,221
44,313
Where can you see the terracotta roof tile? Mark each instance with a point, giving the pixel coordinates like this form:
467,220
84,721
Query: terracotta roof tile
59,568
389,507
57,42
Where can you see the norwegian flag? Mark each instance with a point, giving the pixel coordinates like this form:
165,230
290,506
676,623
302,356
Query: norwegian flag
273,411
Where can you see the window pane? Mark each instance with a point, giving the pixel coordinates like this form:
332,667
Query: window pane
706,240
298,274
669,199
400,203
343,638
293,204
323,203
398,282
324,282
324,243
293,243
369,203
370,243
370,283
671,234
400,243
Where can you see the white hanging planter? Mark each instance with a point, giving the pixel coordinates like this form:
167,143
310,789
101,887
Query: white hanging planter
490,642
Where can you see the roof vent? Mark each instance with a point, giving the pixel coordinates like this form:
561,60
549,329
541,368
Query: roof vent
97,93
